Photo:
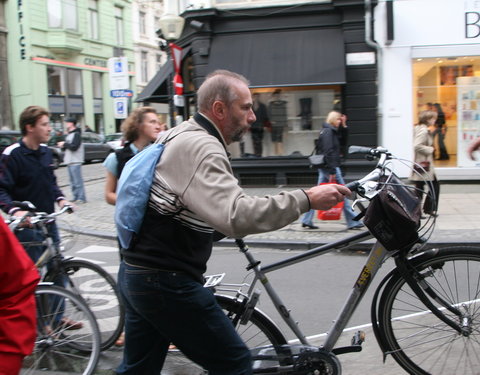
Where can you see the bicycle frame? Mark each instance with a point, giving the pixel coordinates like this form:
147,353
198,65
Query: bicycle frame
374,261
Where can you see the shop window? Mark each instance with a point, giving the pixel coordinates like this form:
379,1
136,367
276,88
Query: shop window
56,80
62,14
97,85
295,118
451,87
74,77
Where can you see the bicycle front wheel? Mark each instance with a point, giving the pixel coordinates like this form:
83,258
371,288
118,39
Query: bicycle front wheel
99,290
259,330
419,341
59,347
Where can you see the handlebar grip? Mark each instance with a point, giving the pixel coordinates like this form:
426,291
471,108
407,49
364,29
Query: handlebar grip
360,150
25,205
353,186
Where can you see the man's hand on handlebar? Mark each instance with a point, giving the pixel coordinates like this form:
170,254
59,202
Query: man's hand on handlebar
324,197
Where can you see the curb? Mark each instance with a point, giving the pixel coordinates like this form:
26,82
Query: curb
283,245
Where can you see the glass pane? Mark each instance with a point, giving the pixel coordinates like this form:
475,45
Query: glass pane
54,9
56,80
441,84
70,14
97,85
141,23
74,82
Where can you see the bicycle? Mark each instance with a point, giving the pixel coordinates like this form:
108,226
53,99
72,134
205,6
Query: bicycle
58,349
425,311
82,277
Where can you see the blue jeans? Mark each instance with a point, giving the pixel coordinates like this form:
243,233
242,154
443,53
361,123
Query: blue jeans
76,180
324,176
164,307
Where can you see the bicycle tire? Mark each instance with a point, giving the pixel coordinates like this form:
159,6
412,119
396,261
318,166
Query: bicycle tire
259,331
419,341
58,349
99,290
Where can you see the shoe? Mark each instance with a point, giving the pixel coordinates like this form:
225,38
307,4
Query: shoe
356,226
70,324
432,214
309,226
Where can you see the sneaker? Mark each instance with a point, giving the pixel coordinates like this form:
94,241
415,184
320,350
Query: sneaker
70,324
357,226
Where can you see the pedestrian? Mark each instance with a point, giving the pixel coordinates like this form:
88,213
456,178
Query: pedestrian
26,174
328,144
74,158
257,128
440,132
18,279
424,154
140,129
195,193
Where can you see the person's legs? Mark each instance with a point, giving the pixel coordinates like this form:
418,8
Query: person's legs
347,204
164,307
431,201
145,348
307,219
76,180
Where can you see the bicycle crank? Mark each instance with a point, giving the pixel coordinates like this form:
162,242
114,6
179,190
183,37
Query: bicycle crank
318,362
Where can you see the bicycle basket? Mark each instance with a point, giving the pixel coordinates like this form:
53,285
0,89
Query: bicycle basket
393,215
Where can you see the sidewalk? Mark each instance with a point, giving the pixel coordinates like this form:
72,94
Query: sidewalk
458,220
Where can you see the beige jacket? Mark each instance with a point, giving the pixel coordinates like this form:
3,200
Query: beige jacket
194,182
423,149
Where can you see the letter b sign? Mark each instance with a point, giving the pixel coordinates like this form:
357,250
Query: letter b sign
472,25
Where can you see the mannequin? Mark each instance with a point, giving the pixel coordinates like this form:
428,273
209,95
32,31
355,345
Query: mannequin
277,112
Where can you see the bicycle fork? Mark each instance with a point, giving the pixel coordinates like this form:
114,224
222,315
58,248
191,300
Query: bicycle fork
420,287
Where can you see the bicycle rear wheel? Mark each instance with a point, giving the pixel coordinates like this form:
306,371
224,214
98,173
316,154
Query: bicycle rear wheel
59,349
417,339
99,290
258,331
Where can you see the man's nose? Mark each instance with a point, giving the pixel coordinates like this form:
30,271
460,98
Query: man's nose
252,117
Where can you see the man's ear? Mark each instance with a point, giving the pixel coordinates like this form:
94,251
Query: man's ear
218,109
29,127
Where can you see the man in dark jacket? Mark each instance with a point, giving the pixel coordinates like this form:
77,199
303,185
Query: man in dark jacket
26,174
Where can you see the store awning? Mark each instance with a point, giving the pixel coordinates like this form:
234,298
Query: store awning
157,89
282,58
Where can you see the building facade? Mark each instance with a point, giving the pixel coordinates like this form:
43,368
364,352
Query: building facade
307,58
431,56
57,57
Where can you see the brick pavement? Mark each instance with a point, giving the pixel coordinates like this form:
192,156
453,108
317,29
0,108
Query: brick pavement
458,221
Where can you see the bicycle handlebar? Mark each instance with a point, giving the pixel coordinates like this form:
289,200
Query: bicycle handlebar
34,217
380,153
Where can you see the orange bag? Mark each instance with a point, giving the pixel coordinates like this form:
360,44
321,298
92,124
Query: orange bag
334,213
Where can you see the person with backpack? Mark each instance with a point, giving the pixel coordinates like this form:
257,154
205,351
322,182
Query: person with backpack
140,129
329,144
193,195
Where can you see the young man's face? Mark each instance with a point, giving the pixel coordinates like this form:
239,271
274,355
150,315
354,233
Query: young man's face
40,131
70,126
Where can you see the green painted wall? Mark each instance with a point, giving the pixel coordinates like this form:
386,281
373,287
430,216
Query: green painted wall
33,46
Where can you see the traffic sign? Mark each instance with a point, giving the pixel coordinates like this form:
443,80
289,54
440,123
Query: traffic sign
121,93
120,107
118,73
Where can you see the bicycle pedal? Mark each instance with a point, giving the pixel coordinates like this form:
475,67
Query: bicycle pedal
358,338
347,349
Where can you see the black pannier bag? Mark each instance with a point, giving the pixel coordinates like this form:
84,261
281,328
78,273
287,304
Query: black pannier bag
393,215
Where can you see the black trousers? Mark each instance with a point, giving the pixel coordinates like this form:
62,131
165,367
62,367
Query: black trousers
431,200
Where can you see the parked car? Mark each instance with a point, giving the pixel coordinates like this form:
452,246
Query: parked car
95,148
114,140
8,137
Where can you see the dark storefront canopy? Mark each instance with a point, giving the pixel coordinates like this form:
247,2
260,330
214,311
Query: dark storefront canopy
282,58
268,59
157,89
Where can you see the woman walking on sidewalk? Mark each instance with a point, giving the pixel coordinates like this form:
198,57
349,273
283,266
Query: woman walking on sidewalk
328,144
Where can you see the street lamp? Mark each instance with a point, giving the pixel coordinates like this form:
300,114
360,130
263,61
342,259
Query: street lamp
171,27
